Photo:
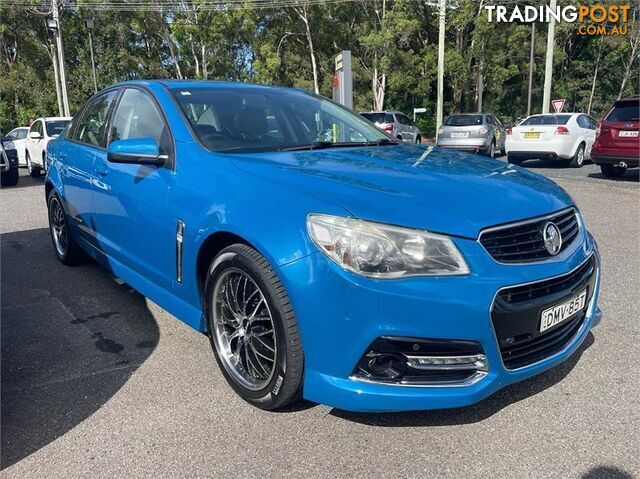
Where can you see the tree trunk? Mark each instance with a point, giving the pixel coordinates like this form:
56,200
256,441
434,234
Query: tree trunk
632,59
480,86
595,76
303,14
205,73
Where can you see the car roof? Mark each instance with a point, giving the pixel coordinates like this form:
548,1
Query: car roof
384,111
201,83
19,128
629,98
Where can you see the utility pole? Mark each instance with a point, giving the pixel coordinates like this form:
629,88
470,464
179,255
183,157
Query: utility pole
89,24
441,31
56,76
531,58
63,77
548,69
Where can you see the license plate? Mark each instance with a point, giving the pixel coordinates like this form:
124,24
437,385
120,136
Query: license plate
532,134
556,315
459,134
629,134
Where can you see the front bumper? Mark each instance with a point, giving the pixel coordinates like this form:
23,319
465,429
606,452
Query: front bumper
341,314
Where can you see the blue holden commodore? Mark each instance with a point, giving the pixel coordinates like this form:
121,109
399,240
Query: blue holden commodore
324,259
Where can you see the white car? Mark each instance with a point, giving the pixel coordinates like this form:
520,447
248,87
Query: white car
565,137
19,138
42,131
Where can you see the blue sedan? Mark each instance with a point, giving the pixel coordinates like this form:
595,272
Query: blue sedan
323,259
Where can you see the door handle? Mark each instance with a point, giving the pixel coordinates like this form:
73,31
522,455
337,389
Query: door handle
101,170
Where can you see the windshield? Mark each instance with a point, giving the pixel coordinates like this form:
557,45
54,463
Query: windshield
463,120
545,120
378,117
625,112
240,120
56,127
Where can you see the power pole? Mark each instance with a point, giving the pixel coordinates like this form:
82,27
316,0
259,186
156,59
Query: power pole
531,58
56,76
548,69
439,105
63,77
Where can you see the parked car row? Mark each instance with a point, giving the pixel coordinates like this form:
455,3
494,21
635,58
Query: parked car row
31,142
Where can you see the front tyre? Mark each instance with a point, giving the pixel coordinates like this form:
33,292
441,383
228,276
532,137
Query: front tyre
65,246
253,329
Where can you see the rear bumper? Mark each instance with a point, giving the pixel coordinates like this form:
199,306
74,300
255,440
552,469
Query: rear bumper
555,148
465,144
536,155
604,159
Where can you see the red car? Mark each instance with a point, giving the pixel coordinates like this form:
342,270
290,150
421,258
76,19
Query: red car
617,145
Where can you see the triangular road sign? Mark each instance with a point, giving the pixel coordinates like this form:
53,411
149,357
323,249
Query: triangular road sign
558,105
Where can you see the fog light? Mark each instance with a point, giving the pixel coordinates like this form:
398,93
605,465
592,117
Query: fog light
417,361
476,362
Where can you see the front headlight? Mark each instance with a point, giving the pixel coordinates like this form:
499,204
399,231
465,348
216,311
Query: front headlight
8,145
381,251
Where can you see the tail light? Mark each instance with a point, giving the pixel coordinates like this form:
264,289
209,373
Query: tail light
508,131
562,130
484,130
387,127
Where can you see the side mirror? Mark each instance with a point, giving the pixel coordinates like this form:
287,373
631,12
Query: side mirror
34,135
141,151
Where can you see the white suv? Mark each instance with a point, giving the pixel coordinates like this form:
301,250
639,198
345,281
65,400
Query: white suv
41,132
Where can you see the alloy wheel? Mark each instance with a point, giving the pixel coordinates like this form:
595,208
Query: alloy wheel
244,332
58,224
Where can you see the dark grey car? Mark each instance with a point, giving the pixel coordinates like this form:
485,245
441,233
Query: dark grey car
476,132
396,123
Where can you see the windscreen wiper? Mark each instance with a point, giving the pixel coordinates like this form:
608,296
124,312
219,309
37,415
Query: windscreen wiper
319,145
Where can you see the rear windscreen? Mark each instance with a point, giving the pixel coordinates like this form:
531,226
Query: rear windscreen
55,127
378,117
463,120
625,112
546,120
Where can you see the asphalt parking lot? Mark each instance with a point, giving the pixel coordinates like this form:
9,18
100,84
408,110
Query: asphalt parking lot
97,381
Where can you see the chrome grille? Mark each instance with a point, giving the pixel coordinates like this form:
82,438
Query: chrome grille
522,242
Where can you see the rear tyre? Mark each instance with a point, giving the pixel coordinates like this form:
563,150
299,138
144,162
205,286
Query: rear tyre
64,244
10,178
513,160
578,159
253,328
613,171
34,171
491,151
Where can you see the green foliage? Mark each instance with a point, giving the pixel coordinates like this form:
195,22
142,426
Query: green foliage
395,39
